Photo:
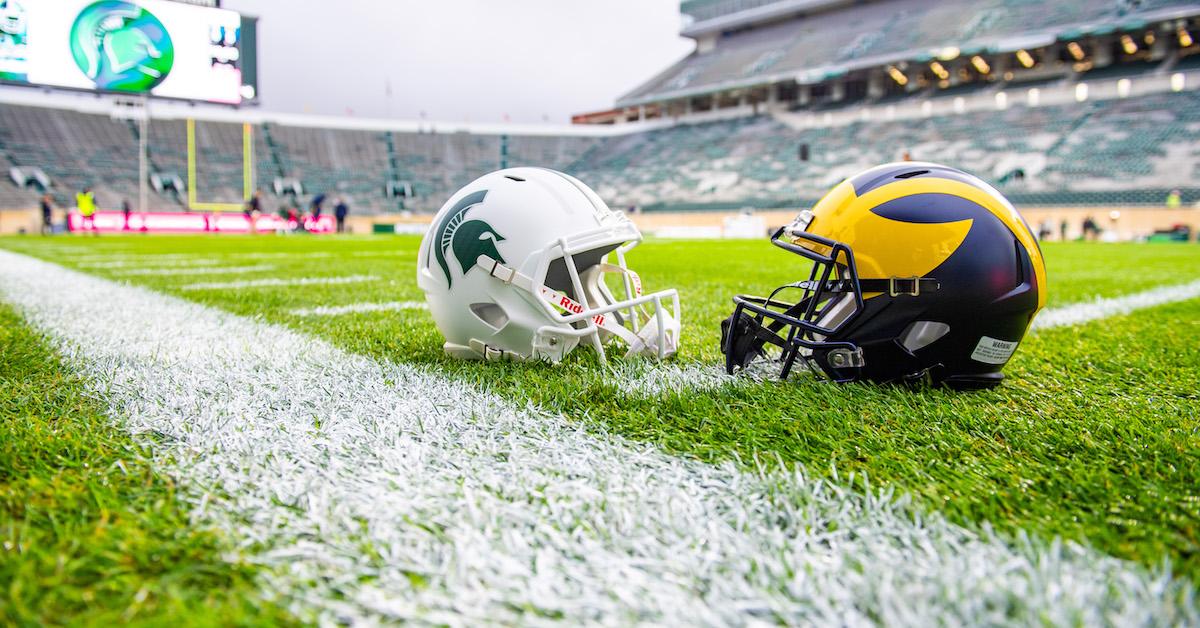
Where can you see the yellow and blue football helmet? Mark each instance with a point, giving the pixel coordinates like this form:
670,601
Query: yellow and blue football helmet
919,272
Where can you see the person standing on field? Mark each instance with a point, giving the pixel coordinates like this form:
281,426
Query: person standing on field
1045,229
86,202
47,215
340,211
293,216
254,210
127,210
316,206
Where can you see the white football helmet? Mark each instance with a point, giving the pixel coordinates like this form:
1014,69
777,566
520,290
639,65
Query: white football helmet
513,267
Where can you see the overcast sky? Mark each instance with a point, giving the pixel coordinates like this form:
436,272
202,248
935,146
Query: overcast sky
475,60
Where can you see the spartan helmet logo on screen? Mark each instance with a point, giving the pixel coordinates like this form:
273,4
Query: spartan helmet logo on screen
514,267
121,46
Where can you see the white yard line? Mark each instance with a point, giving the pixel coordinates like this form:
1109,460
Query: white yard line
282,255
275,283
89,258
373,491
358,308
1100,308
120,264
383,253
48,245
204,270
133,258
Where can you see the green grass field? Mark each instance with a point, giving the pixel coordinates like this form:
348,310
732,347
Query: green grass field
1094,437
89,532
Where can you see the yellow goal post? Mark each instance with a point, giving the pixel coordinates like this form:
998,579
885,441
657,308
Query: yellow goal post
247,172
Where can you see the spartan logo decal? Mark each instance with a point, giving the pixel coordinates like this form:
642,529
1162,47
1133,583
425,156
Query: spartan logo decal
14,42
466,239
121,46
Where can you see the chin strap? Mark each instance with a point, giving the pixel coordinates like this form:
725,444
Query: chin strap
892,286
490,353
637,342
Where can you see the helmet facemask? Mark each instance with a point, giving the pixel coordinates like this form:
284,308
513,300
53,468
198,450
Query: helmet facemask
785,331
568,284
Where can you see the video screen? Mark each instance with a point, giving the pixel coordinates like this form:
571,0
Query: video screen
154,47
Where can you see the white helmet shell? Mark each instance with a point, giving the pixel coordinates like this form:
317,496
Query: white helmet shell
513,267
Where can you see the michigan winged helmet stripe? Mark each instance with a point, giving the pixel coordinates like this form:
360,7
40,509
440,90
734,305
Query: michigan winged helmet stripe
990,200
889,247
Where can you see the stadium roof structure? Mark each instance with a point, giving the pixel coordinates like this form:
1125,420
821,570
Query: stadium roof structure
754,43
706,16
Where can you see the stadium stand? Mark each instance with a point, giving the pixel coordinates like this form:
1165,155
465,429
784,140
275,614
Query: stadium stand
1092,116
1111,152
73,149
347,162
1119,151
85,149
813,41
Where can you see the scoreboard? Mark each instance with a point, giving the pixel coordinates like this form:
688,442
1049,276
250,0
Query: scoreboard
155,47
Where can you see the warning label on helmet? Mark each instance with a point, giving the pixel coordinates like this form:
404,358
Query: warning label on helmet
993,351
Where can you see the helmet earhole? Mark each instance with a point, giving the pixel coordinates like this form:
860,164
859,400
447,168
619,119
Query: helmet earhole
491,314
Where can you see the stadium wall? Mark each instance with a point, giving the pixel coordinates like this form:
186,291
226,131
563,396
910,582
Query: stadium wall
18,220
1130,223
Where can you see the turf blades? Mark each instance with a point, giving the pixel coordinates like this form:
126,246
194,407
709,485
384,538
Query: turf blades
1097,309
359,308
373,491
277,283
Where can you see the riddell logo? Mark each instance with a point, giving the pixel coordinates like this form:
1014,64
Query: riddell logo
568,304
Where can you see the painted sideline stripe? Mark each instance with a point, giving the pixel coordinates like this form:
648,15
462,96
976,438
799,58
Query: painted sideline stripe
164,259
272,283
136,258
377,492
383,253
1096,309
116,259
356,308
150,261
205,270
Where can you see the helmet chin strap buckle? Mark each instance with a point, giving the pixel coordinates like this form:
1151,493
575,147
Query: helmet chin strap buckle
907,286
491,354
500,271
800,223
550,346
846,358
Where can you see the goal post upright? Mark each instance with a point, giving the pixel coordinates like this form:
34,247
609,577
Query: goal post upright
247,171
247,161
